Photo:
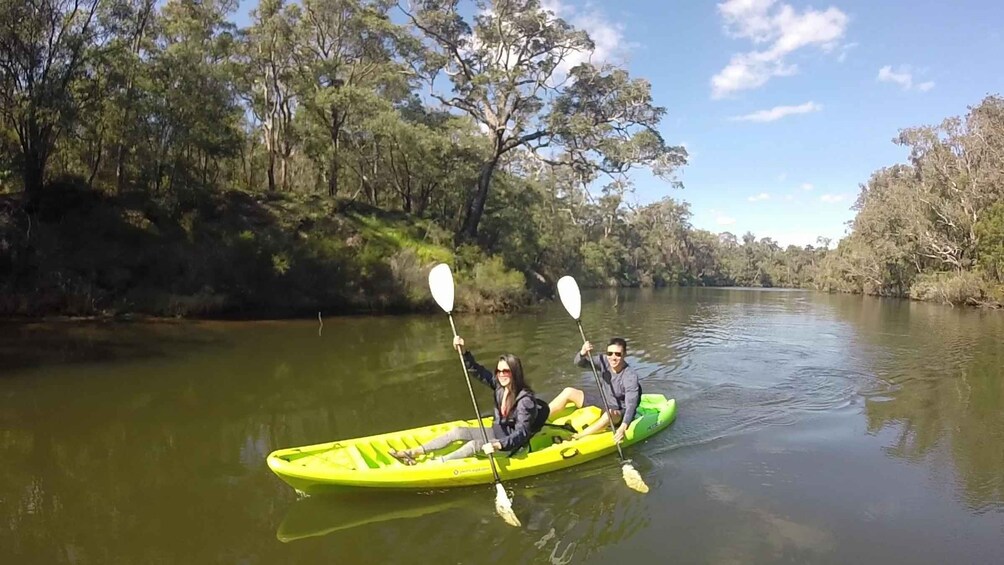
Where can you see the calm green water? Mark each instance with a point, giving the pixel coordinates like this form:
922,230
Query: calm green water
811,429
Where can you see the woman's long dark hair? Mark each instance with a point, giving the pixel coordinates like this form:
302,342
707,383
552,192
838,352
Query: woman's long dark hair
518,380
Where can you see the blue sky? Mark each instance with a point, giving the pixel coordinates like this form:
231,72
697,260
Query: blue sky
795,177
787,106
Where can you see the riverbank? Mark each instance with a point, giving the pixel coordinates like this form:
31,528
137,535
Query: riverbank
83,253
78,253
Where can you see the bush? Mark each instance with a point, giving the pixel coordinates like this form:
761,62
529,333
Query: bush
488,286
411,276
950,288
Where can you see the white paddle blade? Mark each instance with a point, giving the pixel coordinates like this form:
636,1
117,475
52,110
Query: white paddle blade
568,291
441,285
503,506
633,478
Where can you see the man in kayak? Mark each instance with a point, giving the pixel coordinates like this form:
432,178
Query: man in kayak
518,413
618,384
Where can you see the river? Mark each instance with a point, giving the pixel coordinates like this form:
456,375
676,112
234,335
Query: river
811,428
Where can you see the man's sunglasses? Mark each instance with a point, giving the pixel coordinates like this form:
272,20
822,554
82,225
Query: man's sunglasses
615,354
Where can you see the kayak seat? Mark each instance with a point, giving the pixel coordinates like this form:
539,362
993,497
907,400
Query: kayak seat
579,419
561,428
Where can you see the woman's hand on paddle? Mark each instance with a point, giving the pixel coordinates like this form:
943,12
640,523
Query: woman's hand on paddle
458,343
586,348
491,447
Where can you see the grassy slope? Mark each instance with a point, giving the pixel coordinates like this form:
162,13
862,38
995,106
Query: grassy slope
79,252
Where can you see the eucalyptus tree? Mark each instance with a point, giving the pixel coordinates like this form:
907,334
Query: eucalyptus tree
193,110
508,68
960,174
132,34
44,46
268,82
347,60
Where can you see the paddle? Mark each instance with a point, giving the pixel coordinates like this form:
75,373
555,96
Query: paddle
441,285
568,291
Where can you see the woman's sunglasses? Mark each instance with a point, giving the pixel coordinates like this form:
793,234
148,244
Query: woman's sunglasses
503,371
615,354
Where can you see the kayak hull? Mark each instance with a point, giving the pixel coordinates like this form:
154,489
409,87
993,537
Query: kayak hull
365,462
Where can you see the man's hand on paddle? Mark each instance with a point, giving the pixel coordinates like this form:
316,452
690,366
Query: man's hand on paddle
621,430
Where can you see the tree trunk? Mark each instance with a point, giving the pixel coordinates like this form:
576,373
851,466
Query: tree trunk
335,131
284,174
205,169
137,44
333,174
34,173
271,171
120,178
97,159
469,231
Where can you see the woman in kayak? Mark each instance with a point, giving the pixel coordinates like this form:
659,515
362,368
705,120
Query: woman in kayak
518,413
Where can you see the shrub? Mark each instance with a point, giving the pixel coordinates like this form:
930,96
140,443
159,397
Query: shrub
950,288
411,276
488,286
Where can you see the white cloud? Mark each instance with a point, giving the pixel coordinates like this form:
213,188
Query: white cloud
608,37
778,112
903,76
832,198
807,186
779,28
758,197
725,220
844,50
609,44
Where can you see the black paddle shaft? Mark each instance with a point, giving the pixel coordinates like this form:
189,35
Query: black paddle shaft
599,386
477,411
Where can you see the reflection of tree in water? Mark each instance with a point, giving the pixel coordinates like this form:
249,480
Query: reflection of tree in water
947,399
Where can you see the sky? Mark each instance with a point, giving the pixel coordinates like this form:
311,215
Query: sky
787,107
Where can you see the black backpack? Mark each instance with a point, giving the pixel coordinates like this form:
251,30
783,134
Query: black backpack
543,411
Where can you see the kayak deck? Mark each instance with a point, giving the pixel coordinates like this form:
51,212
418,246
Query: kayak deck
366,462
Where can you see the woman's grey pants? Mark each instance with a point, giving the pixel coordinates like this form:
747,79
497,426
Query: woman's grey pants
472,436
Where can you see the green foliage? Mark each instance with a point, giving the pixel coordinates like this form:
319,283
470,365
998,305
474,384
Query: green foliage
990,233
488,286
42,73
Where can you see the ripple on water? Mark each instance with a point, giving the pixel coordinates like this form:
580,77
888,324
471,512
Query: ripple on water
728,409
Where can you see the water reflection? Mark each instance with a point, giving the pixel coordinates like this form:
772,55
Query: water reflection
563,521
324,515
147,443
946,403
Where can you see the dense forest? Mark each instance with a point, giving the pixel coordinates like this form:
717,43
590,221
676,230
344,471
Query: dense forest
157,158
